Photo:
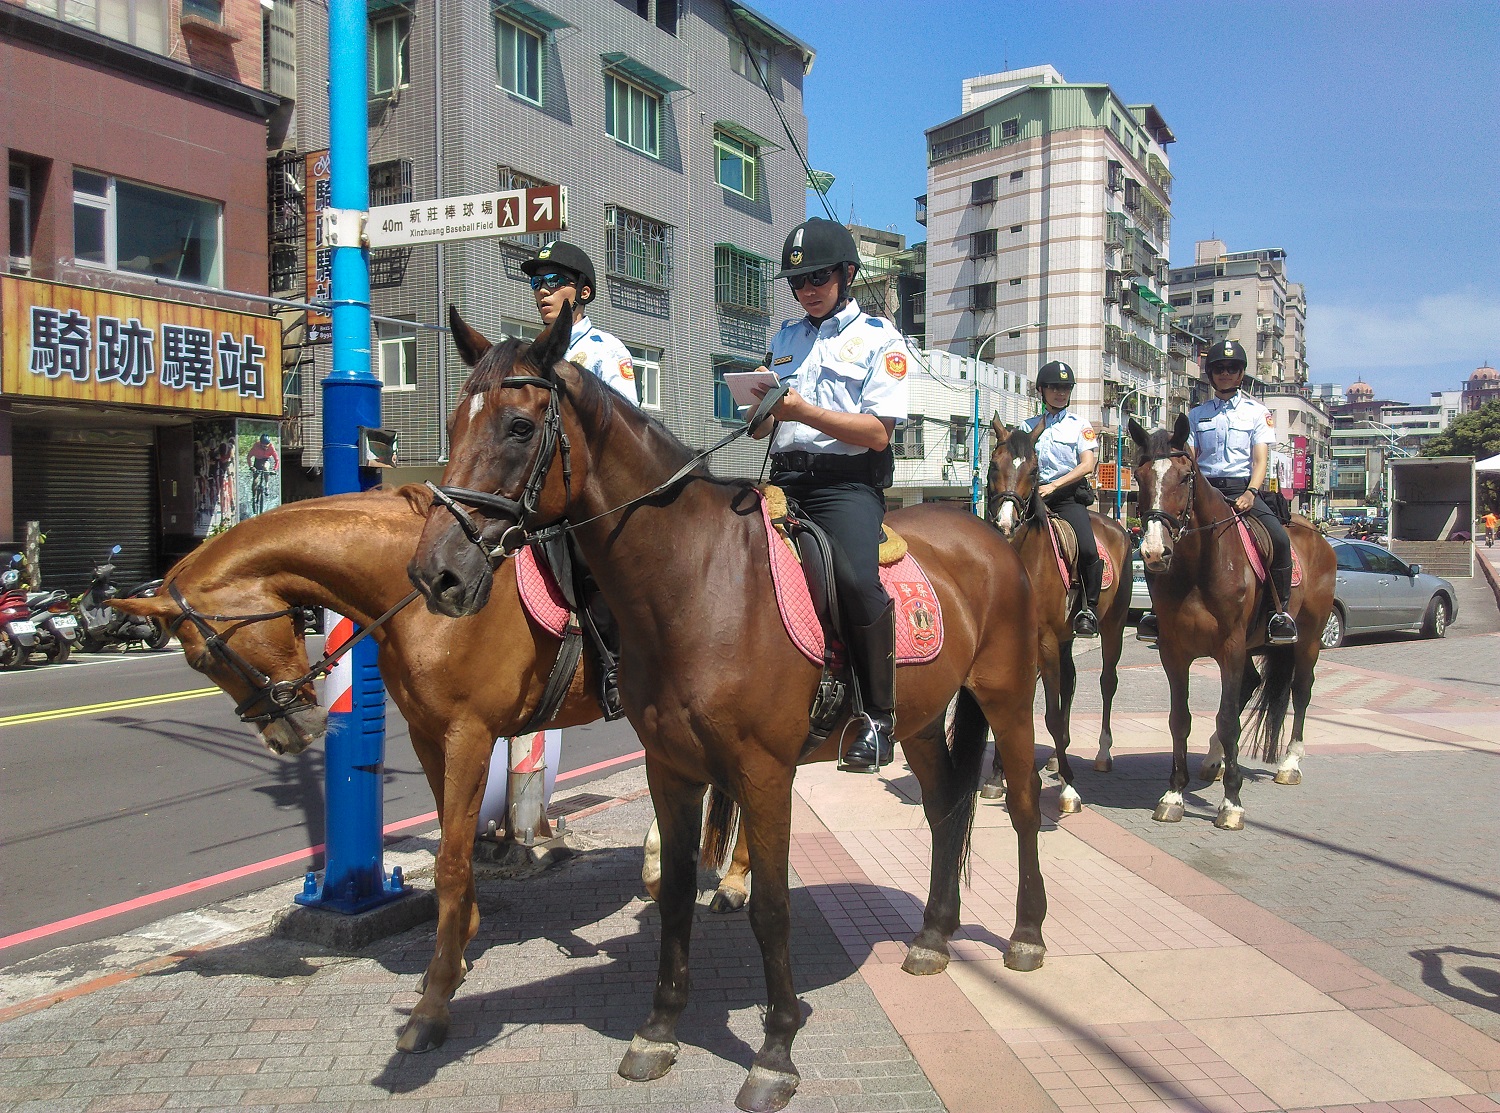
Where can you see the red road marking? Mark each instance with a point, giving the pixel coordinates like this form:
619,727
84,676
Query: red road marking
149,899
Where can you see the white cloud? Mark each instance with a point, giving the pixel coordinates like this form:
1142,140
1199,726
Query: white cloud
1443,328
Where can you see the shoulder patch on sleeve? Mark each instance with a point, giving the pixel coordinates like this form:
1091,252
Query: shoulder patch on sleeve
895,365
627,369
1270,419
1088,433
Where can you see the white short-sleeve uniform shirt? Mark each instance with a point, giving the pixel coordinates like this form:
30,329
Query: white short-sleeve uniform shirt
1066,439
1223,433
851,363
597,351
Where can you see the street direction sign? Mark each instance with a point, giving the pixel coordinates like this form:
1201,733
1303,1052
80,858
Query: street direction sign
514,212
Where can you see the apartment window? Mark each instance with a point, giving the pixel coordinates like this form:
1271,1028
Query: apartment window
212,11
520,330
1182,299
1205,297
20,211
666,16
725,408
647,375
1015,228
982,296
1010,129
397,351
985,242
737,159
744,63
518,60
637,248
141,23
742,280
1226,295
389,59
1015,281
632,115
958,438
125,226
1015,175
983,191
511,178
1116,176
906,440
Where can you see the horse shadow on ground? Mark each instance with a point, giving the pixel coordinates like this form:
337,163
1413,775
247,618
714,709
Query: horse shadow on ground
1139,779
1473,984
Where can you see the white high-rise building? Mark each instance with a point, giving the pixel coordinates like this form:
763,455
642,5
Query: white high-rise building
1048,213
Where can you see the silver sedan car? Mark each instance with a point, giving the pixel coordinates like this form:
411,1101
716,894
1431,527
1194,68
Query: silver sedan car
1376,591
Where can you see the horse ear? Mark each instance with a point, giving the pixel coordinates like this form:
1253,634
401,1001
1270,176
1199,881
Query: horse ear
998,431
417,496
470,341
1037,430
1180,431
1138,434
552,345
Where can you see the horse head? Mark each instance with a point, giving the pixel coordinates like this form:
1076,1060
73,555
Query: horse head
256,655
506,434
1013,478
1165,476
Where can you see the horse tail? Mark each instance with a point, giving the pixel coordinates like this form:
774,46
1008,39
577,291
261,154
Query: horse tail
1268,715
970,733
722,812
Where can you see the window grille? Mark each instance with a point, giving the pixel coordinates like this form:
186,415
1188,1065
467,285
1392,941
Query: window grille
637,248
285,218
741,280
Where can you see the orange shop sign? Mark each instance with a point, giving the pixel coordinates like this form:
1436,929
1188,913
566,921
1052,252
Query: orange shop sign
71,343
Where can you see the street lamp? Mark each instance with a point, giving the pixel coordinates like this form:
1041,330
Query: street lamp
974,452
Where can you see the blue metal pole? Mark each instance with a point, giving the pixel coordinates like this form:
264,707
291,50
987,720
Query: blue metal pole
974,494
354,876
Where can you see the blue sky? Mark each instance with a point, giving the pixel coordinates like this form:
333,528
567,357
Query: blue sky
1364,138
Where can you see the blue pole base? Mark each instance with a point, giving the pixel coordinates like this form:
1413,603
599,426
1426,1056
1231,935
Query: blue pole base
370,889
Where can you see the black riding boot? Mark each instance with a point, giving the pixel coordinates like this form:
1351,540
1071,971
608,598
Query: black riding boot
873,648
1086,621
1282,628
606,638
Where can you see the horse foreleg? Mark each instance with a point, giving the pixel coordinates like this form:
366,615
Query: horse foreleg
1109,683
1235,671
948,802
1212,768
679,815
1068,800
1289,772
766,820
453,877
734,888
1180,721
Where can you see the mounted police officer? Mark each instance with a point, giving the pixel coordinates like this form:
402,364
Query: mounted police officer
562,272
1065,459
1231,435
831,450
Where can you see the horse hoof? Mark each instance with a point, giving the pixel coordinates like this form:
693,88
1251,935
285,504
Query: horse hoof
992,793
422,1033
1104,765
924,960
728,900
1051,766
1069,803
766,1090
1167,813
1289,776
647,1059
1025,957
1230,818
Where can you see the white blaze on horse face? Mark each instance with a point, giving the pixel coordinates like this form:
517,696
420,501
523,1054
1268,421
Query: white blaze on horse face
475,405
1006,518
1154,540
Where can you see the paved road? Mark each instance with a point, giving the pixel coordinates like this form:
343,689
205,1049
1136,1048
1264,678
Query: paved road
107,806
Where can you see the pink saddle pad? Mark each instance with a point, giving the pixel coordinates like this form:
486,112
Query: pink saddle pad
919,616
1108,580
540,594
1253,555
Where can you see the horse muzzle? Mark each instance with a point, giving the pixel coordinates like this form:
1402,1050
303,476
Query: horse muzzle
292,733
453,575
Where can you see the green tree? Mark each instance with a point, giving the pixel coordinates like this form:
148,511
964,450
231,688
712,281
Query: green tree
1474,434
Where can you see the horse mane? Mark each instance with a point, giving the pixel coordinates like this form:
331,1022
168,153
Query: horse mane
1018,444
1158,444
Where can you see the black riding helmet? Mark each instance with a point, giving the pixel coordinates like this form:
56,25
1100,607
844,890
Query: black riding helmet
1226,351
1056,373
815,244
563,256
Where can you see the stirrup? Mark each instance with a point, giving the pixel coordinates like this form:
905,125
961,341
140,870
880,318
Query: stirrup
1288,632
1086,623
609,696
1147,630
873,749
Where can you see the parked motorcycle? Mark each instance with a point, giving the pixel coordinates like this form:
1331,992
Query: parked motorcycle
17,631
100,625
56,628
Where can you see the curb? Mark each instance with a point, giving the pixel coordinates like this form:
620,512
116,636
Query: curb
1490,574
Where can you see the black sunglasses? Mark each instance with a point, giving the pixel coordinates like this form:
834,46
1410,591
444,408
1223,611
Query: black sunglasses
552,281
1225,369
818,279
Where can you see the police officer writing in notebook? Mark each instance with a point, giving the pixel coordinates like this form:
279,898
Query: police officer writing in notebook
1065,460
1232,435
831,451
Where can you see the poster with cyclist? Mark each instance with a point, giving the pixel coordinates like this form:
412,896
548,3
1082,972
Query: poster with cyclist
257,466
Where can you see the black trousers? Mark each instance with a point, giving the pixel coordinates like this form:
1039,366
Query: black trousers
1281,544
850,513
1090,568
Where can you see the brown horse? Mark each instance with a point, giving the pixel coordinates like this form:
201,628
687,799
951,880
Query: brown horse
459,685
1210,604
1014,507
712,683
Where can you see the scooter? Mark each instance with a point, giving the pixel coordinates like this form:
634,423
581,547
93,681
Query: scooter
100,625
17,631
56,628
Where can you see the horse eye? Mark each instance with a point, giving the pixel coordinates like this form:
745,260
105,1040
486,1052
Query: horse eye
521,428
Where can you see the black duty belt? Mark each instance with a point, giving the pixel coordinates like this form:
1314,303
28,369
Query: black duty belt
823,463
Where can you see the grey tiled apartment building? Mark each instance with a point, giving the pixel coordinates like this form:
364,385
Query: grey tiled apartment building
682,187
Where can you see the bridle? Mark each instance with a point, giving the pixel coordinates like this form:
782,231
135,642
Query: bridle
283,698
523,531
1023,507
1176,526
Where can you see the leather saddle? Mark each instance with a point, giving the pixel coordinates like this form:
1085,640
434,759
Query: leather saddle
588,615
